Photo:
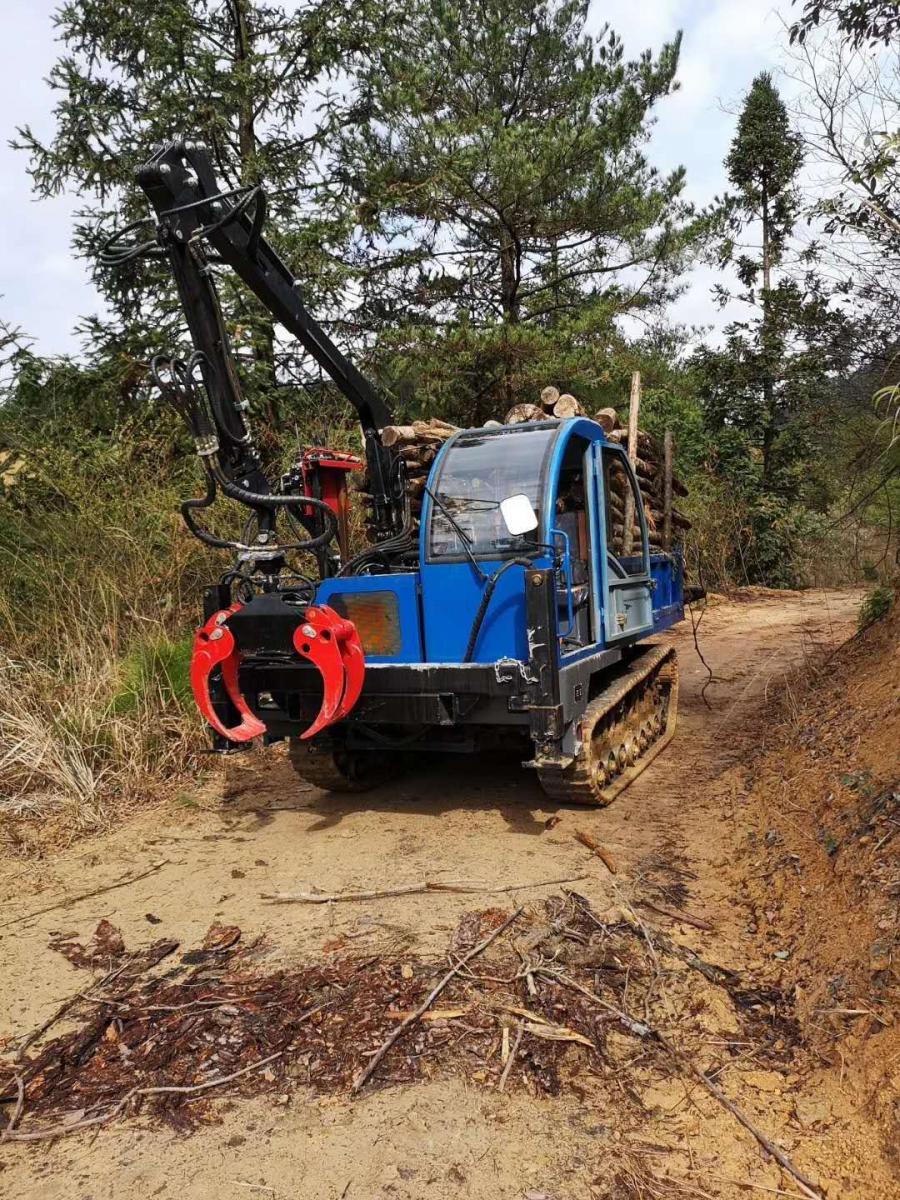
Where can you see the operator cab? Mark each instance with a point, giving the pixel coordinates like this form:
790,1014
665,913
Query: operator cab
475,475
482,487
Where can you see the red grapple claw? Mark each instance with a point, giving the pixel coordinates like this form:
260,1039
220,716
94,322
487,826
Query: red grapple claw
214,646
331,642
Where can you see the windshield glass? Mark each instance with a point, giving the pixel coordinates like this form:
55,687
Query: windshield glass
480,470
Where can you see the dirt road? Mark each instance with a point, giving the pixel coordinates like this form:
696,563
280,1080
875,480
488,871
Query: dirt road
674,836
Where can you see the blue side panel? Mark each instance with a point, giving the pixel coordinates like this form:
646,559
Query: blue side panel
452,593
406,590
668,594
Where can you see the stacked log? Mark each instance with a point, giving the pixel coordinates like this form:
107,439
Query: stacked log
648,464
649,467
552,405
417,445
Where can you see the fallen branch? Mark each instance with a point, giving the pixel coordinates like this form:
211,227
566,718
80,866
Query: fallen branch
407,889
512,1058
17,1111
675,915
367,1071
69,900
810,1188
601,852
643,1030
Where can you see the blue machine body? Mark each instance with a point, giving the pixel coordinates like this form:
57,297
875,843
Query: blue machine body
623,598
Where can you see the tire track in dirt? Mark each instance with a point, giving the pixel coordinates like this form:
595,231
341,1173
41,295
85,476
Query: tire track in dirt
253,831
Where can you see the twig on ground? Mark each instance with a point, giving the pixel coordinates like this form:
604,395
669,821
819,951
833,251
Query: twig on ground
675,915
409,889
512,1058
17,1111
69,900
61,1012
367,1071
695,629
601,852
642,1029
747,1186
55,1131
810,1188
639,1028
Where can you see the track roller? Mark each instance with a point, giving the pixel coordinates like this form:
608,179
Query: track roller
622,731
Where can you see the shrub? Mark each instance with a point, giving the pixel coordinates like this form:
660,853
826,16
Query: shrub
876,605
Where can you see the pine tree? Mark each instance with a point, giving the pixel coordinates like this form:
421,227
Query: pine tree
763,164
244,77
508,211
770,390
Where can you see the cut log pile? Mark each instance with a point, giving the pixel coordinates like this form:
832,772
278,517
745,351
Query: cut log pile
418,445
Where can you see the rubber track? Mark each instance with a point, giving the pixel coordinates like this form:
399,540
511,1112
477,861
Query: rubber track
574,784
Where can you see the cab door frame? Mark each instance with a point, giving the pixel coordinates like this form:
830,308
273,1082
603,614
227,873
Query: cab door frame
627,595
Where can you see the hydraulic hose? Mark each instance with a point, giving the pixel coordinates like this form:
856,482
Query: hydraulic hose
187,513
265,500
485,601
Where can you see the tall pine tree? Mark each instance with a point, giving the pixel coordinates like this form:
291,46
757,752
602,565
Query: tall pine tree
763,164
770,389
508,212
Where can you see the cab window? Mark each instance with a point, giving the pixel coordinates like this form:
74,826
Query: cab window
478,471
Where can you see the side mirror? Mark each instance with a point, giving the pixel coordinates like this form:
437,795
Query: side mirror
518,514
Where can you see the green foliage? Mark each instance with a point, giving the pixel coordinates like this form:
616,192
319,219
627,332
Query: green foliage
508,211
155,670
762,164
475,200
876,606
860,20
250,80
98,588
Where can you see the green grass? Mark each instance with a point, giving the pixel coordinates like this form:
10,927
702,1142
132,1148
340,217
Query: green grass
876,606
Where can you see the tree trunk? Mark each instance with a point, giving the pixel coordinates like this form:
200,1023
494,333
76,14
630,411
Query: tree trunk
264,342
242,50
769,406
509,278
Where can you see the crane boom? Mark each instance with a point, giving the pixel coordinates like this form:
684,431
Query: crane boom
193,213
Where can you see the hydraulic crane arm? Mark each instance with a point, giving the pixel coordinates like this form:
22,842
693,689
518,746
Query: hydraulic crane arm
193,214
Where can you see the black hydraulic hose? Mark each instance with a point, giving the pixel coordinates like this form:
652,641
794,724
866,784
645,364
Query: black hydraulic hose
485,601
399,544
266,500
187,512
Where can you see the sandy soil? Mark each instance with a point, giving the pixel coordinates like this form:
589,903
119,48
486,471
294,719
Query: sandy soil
254,829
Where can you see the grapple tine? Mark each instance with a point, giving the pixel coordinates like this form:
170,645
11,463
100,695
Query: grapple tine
317,639
354,669
214,646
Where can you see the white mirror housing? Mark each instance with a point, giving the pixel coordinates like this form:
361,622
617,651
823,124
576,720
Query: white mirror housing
518,514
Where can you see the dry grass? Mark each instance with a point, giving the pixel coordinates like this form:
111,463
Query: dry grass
97,588
68,742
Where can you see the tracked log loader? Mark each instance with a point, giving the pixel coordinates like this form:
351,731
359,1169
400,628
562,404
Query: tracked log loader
513,615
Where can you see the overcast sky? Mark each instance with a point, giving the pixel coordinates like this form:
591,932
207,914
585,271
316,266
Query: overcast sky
726,42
